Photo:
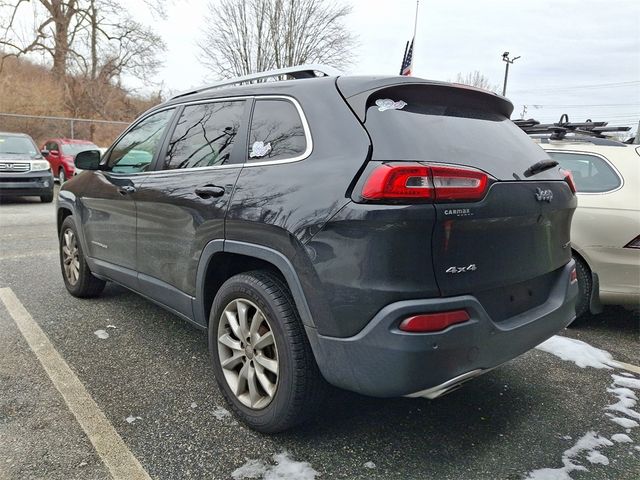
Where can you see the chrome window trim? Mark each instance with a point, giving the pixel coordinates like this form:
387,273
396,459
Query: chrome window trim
604,159
246,163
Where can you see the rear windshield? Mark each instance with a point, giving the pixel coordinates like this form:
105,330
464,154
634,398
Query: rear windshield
407,124
17,145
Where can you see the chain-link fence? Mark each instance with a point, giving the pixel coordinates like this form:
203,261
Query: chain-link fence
42,128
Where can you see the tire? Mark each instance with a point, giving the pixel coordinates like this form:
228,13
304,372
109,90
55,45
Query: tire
81,283
585,286
62,177
48,198
298,388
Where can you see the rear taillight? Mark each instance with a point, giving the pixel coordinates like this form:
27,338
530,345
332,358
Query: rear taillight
395,182
433,322
635,243
438,183
568,177
453,183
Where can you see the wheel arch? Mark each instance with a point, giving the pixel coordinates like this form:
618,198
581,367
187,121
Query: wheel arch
62,214
221,259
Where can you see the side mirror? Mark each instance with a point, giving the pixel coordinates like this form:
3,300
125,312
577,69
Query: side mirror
88,160
44,153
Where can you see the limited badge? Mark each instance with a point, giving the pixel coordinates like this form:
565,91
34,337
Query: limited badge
259,149
388,104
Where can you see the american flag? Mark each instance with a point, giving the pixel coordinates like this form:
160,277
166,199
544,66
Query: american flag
407,61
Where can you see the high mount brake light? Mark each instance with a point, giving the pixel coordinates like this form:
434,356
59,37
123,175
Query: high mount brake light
414,181
568,177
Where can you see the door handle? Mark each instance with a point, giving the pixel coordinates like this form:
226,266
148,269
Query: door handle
126,190
209,191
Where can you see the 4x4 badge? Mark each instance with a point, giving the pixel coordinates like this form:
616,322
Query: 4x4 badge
544,195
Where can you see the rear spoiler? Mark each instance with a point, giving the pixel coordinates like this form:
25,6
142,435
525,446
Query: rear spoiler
357,91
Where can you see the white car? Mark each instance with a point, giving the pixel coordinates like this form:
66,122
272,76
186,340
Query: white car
605,232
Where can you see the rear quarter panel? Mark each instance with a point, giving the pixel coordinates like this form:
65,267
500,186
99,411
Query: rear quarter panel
282,206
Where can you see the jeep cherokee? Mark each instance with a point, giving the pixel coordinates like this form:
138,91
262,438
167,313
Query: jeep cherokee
392,236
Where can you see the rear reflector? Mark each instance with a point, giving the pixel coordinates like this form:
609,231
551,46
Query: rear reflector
415,181
635,243
573,276
568,177
433,322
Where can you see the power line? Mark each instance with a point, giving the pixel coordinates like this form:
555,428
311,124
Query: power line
580,87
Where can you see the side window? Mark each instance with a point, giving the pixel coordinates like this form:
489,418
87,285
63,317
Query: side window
590,173
204,135
276,131
134,152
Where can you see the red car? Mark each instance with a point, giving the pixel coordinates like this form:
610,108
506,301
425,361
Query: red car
61,152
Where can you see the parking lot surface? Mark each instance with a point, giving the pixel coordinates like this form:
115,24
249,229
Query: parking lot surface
149,377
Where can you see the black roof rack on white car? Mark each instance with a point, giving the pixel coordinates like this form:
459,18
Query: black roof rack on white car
297,72
588,130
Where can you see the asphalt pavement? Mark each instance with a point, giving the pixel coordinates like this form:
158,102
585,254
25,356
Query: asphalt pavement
152,382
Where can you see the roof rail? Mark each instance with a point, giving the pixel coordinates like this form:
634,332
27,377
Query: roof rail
559,130
300,71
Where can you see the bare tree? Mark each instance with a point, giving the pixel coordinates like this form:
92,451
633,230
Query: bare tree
90,38
476,79
247,36
55,25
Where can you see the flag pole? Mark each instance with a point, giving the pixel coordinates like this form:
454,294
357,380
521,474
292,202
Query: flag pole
415,25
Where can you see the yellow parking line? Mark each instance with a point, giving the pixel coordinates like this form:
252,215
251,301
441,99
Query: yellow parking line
107,442
627,366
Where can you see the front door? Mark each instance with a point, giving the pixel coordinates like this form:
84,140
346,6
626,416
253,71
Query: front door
182,206
108,207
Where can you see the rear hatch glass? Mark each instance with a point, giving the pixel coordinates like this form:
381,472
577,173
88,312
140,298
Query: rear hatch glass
449,125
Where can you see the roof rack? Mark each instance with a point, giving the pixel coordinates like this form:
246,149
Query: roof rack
559,130
300,71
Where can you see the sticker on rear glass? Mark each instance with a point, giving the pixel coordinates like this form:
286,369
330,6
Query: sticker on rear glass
388,104
259,149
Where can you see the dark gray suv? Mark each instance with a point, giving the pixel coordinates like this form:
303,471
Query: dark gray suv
388,235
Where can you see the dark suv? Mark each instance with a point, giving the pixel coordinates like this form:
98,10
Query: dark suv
390,235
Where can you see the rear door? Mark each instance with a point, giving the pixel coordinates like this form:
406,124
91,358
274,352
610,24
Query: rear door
519,230
182,205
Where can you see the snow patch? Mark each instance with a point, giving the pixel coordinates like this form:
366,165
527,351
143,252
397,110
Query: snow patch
111,326
284,469
221,413
621,438
101,334
578,352
626,382
370,465
589,443
251,469
625,422
132,419
194,404
596,457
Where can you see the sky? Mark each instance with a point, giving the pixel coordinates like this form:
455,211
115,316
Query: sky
580,57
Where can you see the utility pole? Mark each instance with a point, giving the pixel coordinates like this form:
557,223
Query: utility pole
509,61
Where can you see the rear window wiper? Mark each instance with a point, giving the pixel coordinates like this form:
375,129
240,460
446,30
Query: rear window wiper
540,166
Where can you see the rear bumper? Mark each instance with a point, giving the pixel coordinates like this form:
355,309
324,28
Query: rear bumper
383,361
25,184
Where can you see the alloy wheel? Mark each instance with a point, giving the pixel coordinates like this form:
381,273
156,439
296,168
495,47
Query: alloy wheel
70,256
248,353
